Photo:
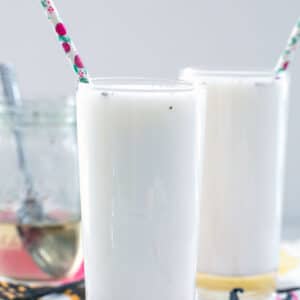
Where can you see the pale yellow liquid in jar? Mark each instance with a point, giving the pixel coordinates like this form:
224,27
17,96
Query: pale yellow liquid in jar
57,238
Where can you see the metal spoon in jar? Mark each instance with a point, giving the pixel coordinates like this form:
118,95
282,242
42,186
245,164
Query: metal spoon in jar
46,249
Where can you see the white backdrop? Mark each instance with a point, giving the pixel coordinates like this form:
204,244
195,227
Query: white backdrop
155,38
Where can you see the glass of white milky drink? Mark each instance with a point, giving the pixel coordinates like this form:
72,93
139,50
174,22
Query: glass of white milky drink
240,203
139,148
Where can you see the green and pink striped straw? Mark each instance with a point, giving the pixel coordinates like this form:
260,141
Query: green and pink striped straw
65,40
74,58
288,53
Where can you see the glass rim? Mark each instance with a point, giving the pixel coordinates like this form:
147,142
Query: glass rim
234,73
138,85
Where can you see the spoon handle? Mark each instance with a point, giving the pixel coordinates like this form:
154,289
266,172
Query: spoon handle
13,99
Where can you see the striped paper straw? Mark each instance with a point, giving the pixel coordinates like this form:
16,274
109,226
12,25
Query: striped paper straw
287,55
65,40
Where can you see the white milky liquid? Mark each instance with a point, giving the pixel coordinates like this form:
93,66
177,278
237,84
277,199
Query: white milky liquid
139,153
240,210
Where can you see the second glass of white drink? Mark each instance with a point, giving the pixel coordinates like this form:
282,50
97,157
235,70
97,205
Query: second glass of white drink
240,203
140,153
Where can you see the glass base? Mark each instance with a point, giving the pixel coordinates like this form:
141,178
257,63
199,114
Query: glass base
260,287
203,294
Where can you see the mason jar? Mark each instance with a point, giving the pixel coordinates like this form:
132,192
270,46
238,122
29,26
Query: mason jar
42,133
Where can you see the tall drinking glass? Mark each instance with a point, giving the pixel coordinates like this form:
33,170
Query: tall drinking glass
139,152
240,204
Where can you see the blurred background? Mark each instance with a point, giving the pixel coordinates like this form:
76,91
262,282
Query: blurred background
155,38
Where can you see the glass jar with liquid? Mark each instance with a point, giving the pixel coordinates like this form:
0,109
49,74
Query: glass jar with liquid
47,248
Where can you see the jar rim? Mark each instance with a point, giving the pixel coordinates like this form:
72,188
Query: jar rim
42,111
